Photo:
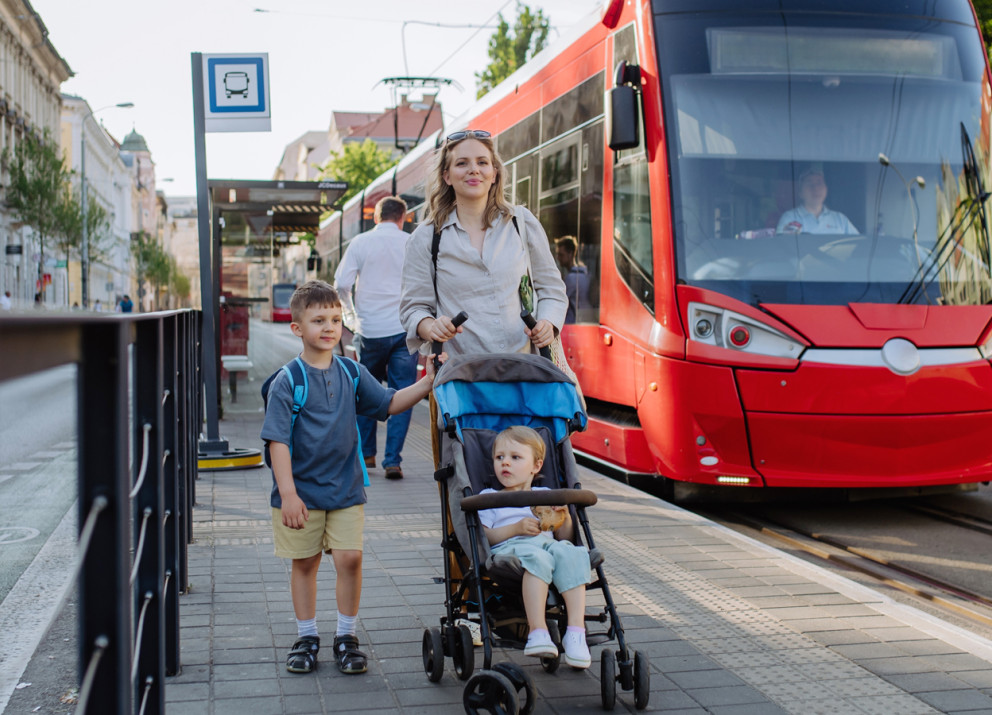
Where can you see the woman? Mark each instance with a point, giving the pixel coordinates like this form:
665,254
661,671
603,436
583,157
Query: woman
486,246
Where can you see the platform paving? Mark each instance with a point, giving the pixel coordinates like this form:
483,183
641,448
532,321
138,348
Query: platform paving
730,625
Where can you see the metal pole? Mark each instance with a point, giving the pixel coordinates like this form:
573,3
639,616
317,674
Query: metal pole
84,260
208,301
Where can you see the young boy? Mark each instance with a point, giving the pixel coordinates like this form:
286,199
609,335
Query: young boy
546,556
317,494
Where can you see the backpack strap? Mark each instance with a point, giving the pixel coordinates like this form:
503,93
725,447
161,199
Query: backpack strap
351,369
435,247
296,373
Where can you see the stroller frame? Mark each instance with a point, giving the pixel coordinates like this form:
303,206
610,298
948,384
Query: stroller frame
469,619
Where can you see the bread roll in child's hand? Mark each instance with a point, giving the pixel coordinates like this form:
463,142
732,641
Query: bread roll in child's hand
549,517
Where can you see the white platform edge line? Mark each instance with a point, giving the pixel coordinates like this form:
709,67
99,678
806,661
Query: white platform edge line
930,624
33,603
927,623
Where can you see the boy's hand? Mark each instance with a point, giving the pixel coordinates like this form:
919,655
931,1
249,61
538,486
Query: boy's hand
430,370
529,527
294,512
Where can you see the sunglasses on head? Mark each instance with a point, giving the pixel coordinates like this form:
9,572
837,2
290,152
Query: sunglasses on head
468,133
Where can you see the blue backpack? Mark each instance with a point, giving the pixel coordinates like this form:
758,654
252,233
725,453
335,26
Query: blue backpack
297,374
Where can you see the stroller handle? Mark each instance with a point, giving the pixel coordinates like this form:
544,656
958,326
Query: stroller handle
436,345
525,315
541,497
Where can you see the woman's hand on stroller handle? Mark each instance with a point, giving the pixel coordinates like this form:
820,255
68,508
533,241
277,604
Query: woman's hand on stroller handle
541,333
443,329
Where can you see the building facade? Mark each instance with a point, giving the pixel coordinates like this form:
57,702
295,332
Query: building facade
111,185
31,75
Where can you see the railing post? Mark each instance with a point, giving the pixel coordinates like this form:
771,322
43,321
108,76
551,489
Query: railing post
173,355
151,461
104,588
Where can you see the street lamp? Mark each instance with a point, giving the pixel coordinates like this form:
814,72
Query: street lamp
84,258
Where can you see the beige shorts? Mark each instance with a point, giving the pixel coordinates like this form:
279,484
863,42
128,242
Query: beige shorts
323,531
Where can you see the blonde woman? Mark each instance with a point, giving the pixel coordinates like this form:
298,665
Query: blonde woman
485,246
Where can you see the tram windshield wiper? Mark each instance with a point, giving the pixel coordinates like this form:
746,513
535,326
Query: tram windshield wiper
950,240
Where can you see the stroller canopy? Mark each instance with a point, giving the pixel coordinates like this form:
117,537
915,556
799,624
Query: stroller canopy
494,391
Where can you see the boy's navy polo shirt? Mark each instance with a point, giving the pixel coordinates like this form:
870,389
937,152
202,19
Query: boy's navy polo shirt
325,450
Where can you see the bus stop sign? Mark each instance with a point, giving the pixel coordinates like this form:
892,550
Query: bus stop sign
236,92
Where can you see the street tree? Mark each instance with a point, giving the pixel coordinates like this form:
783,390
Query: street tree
71,222
509,51
983,8
152,264
39,193
358,164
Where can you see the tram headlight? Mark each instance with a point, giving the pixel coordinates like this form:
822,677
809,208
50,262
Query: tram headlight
703,328
726,329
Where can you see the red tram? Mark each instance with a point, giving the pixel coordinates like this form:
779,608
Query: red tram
733,334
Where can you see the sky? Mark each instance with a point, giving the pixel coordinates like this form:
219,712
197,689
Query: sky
324,56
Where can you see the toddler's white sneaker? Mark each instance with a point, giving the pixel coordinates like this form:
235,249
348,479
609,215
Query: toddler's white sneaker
540,645
576,650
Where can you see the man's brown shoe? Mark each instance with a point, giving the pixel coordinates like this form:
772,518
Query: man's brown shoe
394,473
370,462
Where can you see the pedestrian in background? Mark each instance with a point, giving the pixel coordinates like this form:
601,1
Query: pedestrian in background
127,305
576,276
368,280
5,303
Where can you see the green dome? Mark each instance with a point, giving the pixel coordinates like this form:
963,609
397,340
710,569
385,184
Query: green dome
134,142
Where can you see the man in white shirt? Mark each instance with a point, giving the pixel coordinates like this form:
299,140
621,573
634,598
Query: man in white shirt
812,215
5,303
375,260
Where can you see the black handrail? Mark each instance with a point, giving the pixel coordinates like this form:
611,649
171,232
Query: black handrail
128,607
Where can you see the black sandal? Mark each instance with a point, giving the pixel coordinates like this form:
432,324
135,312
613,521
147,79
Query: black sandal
303,657
350,659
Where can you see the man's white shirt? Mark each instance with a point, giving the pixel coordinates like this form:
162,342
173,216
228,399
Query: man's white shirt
369,280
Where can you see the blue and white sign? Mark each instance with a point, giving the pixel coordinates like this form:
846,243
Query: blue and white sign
237,92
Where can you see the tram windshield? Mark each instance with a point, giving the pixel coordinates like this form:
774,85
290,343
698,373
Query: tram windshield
828,159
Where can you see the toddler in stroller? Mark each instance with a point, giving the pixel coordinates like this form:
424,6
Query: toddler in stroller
477,397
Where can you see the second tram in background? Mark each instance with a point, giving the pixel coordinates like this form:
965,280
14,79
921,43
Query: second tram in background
281,295
735,331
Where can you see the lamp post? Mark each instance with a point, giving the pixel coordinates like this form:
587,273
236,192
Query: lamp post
84,257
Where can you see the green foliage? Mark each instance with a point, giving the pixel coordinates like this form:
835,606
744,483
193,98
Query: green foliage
358,164
983,8
509,52
152,263
97,226
39,193
180,285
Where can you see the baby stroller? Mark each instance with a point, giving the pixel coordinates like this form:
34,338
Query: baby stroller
477,396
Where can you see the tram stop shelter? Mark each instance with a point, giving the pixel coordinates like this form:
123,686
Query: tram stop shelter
251,223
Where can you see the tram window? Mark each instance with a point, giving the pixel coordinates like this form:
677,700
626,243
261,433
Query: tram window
590,233
521,192
575,107
521,138
559,167
632,239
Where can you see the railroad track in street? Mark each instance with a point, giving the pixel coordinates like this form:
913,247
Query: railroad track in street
942,593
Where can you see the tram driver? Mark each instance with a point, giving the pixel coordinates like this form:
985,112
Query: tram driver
812,215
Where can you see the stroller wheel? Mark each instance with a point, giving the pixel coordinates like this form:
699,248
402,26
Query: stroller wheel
608,678
463,653
433,654
521,681
490,692
642,680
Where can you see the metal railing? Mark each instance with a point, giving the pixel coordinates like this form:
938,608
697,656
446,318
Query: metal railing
139,383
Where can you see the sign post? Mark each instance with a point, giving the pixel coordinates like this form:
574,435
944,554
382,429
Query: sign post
230,94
